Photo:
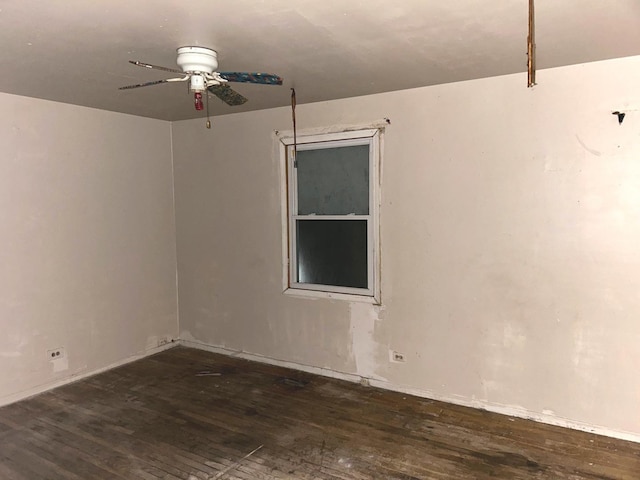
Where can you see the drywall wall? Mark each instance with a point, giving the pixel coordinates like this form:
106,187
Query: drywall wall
87,241
510,224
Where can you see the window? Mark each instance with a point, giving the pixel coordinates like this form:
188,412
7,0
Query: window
332,213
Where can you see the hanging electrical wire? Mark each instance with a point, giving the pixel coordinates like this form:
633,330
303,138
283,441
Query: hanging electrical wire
287,173
531,48
293,115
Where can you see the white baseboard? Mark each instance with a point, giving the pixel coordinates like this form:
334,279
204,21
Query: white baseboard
30,392
325,372
510,411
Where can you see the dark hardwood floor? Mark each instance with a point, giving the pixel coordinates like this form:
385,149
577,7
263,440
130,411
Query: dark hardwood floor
157,418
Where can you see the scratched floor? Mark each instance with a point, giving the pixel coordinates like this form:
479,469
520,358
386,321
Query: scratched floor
158,419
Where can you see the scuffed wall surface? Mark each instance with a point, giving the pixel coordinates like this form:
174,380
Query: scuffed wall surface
87,244
510,229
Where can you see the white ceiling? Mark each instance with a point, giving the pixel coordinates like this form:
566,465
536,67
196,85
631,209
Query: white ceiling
76,51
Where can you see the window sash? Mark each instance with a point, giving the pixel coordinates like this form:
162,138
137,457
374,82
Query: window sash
369,291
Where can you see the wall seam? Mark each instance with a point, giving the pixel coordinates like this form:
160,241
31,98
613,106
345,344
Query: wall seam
175,228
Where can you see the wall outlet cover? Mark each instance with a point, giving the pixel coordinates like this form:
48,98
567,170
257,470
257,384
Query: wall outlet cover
56,353
396,357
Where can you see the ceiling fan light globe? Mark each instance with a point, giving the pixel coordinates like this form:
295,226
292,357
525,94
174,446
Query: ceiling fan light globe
197,83
197,59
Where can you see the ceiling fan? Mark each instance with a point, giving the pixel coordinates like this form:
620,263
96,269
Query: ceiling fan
198,67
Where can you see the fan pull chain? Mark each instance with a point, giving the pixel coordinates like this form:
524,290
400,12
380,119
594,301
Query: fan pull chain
293,115
208,119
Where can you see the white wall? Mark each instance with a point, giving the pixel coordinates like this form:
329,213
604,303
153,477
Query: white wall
510,235
87,241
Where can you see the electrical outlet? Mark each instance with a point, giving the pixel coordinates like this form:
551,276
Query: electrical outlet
396,357
56,353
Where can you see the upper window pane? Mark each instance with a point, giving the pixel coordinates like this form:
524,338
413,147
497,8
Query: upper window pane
333,181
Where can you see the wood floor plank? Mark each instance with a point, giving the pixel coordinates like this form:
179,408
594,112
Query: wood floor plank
158,419
8,468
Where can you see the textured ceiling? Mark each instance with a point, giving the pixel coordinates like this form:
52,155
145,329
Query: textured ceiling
76,51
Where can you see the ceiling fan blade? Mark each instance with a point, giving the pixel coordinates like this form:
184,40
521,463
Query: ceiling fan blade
147,84
227,94
155,67
244,77
155,82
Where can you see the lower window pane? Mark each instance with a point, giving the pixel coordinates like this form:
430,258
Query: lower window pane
332,252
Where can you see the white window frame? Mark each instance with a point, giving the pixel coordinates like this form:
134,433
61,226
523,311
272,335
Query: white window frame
370,136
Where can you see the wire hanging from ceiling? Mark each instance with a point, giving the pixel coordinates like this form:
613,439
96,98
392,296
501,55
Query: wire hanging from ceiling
531,48
293,116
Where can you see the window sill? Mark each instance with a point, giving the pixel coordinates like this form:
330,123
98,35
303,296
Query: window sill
316,294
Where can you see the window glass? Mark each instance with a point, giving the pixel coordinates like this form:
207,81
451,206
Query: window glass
333,181
332,252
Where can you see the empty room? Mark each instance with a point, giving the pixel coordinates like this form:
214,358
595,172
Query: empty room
197,283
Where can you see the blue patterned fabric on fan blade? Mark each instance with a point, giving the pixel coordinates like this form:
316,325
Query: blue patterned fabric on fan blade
227,94
263,78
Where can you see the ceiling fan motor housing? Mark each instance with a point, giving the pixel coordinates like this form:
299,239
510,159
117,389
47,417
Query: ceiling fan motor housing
197,59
